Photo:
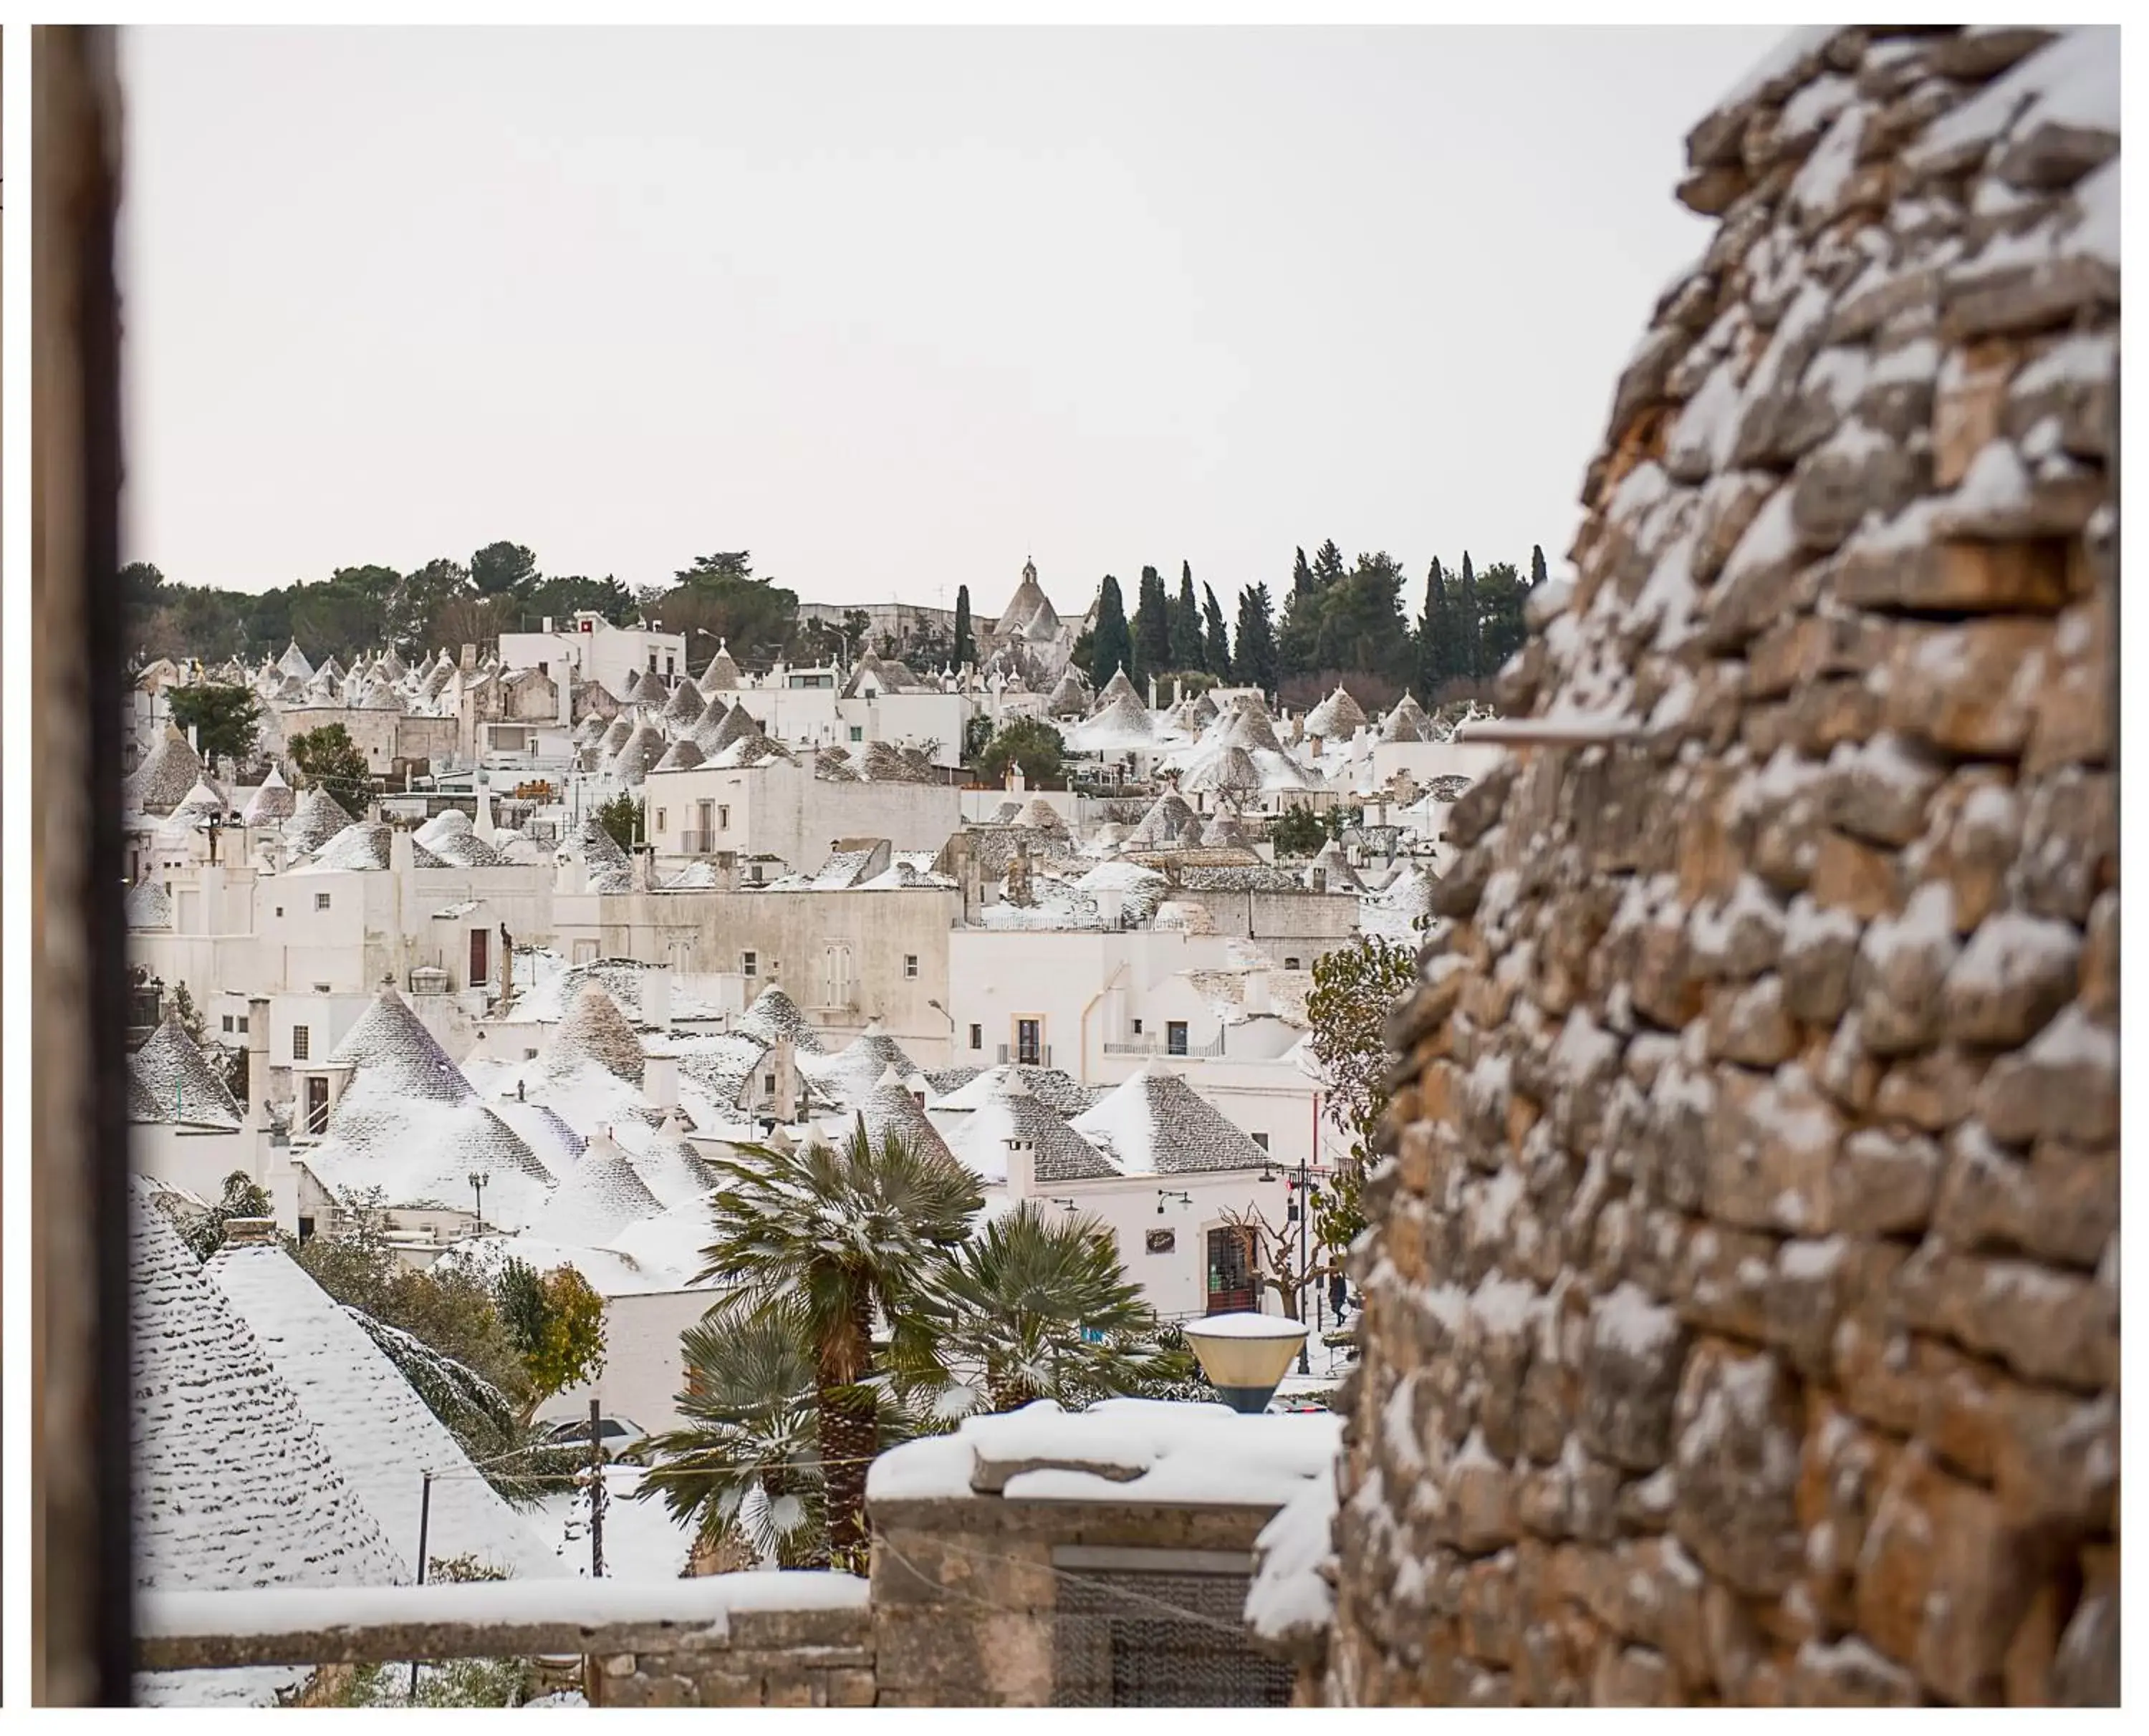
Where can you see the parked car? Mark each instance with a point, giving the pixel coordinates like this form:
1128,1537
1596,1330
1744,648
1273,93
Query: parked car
617,1434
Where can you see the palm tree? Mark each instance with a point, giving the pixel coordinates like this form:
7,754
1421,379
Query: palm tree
1043,1309
829,1238
744,1465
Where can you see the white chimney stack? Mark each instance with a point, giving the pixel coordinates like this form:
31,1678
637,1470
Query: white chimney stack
1255,999
660,1080
656,998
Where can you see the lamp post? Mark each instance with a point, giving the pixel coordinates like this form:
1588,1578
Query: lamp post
476,1178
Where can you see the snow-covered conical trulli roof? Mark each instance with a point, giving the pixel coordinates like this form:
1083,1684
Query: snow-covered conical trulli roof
1225,830
149,905
178,1078
365,846
683,709
1250,726
593,847
1406,722
1118,688
1393,912
275,800
1059,1091
738,726
1007,1109
1200,711
1156,1124
1337,717
1122,721
1230,768
750,749
204,801
316,817
600,1197
590,730
1331,860
617,735
669,1165
1041,814
595,1032
391,1048
708,729
631,692
889,1110
721,1065
721,676
294,664
644,747
682,755
1068,698
850,1074
233,1487
164,777
379,1432
774,1014
1167,817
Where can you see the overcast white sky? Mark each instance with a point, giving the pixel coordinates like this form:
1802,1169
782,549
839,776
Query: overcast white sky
891,309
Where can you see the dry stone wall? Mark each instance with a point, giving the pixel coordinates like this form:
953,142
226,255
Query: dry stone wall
1742,1311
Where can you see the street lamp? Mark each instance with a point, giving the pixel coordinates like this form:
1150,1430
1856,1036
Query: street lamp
943,1013
1165,1194
477,1178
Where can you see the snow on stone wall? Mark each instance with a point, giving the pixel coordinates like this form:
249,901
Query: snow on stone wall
1742,1314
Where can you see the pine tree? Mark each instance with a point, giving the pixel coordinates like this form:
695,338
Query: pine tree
1254,660
1502,599
1217,653
1537,565
1302,575
1186,651
966,646
1112,647
1470,656
1327,565
1435,637
1152,626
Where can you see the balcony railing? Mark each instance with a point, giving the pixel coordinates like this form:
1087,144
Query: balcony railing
1148,1044
699,844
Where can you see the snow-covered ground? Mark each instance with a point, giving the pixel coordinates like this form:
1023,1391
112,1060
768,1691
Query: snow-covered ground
640,1540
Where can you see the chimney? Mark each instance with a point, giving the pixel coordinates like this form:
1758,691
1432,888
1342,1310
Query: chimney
484,829
656,999
1320,880
249,1232
1021,1171
727,870
470,658
645,868
212,897
1256,997
572,876
785,1066
1111,906
660,1080
548,623
257,1061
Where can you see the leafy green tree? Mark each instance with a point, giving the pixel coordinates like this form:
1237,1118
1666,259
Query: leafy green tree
243,1197
1030,743
721,595
1216,650
1253,657
329,758
966,644
416,611
1501,627
1354,988
1362,625
1186,623
1018,1303
1112,647
556,1323
1152,628
1297,830
1537,565
226,720
830,1238
503,569
623,817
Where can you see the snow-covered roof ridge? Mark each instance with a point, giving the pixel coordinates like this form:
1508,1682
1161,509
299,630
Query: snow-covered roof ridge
851,1074
773,1015
1006,1108
379,1433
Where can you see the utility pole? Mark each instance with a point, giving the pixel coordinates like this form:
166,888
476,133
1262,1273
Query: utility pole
424,1522
597,1494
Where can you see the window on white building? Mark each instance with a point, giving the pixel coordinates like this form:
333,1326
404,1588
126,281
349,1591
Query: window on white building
301,1043
769,1083
320,988
749,964
226,1023
1291,964
242,1024
1138,1027
857,733
910,965
660,819
977,1036
1175,1036
320,901
1261,1139
723,817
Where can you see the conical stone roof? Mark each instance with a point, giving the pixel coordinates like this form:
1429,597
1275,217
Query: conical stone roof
596,1031
187,1090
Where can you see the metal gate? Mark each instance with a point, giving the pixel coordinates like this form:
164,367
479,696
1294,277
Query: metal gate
1126,1634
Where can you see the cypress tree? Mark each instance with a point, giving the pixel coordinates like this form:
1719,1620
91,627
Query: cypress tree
1111,646
1217,659
966,646
1152,626
1253,661
1470,652
1186,652
1302,575
1537,565
1327,565
1435,637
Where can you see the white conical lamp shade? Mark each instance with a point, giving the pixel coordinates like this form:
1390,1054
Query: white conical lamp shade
1245,1356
